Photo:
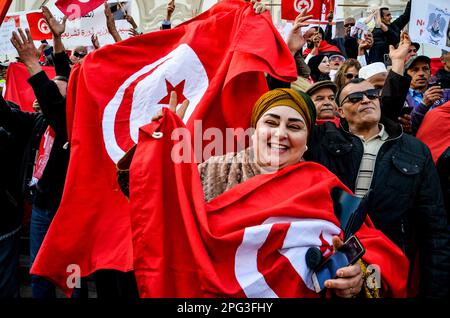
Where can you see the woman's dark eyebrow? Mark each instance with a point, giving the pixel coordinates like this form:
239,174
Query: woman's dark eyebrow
289,119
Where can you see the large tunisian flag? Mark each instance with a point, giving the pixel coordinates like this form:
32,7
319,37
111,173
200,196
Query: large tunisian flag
216,60
248,242
17,88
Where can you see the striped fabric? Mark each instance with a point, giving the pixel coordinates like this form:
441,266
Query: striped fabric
365,173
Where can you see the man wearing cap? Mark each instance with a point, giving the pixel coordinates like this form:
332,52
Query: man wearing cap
323,95
375,73
421,97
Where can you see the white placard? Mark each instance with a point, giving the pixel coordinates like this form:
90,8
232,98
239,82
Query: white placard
430,22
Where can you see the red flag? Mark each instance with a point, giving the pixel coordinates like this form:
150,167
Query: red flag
250,241
435,130
221,73
329,5
4,7
17,88
290,9
39,28
75,9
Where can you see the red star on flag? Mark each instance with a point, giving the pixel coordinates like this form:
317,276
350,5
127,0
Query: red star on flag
178,89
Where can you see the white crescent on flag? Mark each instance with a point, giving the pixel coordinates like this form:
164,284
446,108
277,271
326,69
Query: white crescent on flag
302,234
150,91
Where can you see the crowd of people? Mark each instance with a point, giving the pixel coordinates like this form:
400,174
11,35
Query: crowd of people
367,108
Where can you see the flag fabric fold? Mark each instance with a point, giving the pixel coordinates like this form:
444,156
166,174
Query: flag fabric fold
250,241
217,61
18,90
75,9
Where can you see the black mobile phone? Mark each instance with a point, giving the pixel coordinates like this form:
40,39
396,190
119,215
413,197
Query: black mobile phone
348,254
406,110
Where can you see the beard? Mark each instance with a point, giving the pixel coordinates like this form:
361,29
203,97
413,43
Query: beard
310,44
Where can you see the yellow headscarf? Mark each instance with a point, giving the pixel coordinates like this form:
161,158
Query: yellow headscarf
297,100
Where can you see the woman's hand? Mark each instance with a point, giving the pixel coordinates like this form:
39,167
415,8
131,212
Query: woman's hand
350,279
173,103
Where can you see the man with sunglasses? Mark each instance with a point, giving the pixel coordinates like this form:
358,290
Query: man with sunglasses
370,151
348,45
78,54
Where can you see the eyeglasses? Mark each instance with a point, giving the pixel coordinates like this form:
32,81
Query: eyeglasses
349,25
356,97
337,58
350,76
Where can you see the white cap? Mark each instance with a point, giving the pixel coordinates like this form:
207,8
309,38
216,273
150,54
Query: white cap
372,69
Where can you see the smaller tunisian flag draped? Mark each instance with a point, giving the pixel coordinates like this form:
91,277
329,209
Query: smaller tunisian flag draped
248,242
435,130
216,60
290,9
18,90
76,8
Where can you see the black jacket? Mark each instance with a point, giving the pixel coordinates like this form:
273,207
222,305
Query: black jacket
407,202
29,128
11,211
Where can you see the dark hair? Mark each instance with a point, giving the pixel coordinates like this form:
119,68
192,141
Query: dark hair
383,9
353,81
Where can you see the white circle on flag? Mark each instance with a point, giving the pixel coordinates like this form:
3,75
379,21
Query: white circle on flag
301,235
182,64
300,5
43,26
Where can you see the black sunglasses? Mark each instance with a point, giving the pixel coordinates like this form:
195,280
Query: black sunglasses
356,97
79,55
350,76
349,25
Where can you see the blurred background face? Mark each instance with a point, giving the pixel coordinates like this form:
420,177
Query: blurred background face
325,103
78,54
411,52
280,138
336,61
445,59
378,80
386,16
324,66
351,73
420,74
308,36
348,24
36,106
